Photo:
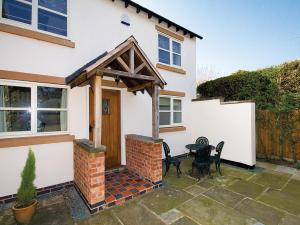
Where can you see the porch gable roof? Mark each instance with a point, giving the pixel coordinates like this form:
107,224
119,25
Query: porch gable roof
127,62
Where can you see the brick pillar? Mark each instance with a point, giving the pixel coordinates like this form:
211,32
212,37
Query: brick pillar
144,157
89,172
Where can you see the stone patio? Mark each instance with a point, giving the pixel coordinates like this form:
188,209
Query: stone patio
268,195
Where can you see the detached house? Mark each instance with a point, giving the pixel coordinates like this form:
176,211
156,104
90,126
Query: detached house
113,76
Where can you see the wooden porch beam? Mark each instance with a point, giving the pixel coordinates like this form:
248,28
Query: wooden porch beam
155,121
97,109
113,73
123,64
139,68
139,87
132,60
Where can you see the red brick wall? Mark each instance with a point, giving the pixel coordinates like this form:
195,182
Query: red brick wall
144,157
89,174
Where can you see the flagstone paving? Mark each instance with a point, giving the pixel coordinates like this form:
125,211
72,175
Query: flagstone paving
269,194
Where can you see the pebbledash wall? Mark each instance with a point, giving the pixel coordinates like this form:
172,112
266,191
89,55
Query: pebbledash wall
98,31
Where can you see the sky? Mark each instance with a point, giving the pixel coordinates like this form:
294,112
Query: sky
238,34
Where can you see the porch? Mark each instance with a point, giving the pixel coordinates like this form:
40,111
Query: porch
128,67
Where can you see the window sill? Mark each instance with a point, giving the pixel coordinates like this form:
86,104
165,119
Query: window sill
170,68
35,140
36,35
171,129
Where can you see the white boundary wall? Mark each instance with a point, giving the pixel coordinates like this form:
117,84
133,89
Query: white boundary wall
231,122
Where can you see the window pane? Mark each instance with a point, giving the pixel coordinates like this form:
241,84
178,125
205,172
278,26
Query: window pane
177,117
176,47
177,104
15,120
176,60
164,56
11,96
52,22
164,118
163,42
48,97
49,121
15,10
56,5
164,103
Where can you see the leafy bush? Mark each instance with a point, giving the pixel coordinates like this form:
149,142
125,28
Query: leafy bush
27,191
274,88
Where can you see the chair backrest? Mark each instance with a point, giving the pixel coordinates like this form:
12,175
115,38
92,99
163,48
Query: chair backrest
203,155
219,148
166,150
202,141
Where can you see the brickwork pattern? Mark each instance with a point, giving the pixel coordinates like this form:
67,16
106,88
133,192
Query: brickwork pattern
144,157
89,174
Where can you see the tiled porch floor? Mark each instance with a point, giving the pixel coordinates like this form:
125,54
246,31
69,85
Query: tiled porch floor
122,185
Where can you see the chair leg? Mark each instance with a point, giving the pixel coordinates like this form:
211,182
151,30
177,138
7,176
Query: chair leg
177,169
216,166
219,167
208,168
167,168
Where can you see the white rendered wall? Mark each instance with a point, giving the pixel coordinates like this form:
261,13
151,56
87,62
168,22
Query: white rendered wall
232,123
54,165
95,32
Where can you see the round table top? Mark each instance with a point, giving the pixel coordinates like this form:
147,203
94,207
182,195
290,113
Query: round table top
198,146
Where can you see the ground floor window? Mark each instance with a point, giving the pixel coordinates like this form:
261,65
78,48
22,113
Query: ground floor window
32,108
170,111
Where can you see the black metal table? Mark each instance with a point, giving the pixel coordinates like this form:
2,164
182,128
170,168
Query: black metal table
197,147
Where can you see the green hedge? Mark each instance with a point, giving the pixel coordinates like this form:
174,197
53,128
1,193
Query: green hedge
270,88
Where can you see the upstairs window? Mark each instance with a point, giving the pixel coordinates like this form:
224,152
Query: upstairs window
170,111
43,15
169,51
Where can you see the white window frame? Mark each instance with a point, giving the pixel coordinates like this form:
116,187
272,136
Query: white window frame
171,39
34,18
172,98
34,109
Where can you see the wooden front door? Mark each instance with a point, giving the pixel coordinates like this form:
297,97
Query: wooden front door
111,128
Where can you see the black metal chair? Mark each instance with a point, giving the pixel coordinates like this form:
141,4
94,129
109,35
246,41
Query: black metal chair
202,160
171,160
217,157
202,141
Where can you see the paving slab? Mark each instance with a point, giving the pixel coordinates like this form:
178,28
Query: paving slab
207,212
290,220
133,213
167,198
247,188
272,179
195,190
236,172
171,216
282,200
182,182
56,214
286,169
105,217
266,165
293,187
224,196
6,217
206,183
296,177
185,221
261,212
223,181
